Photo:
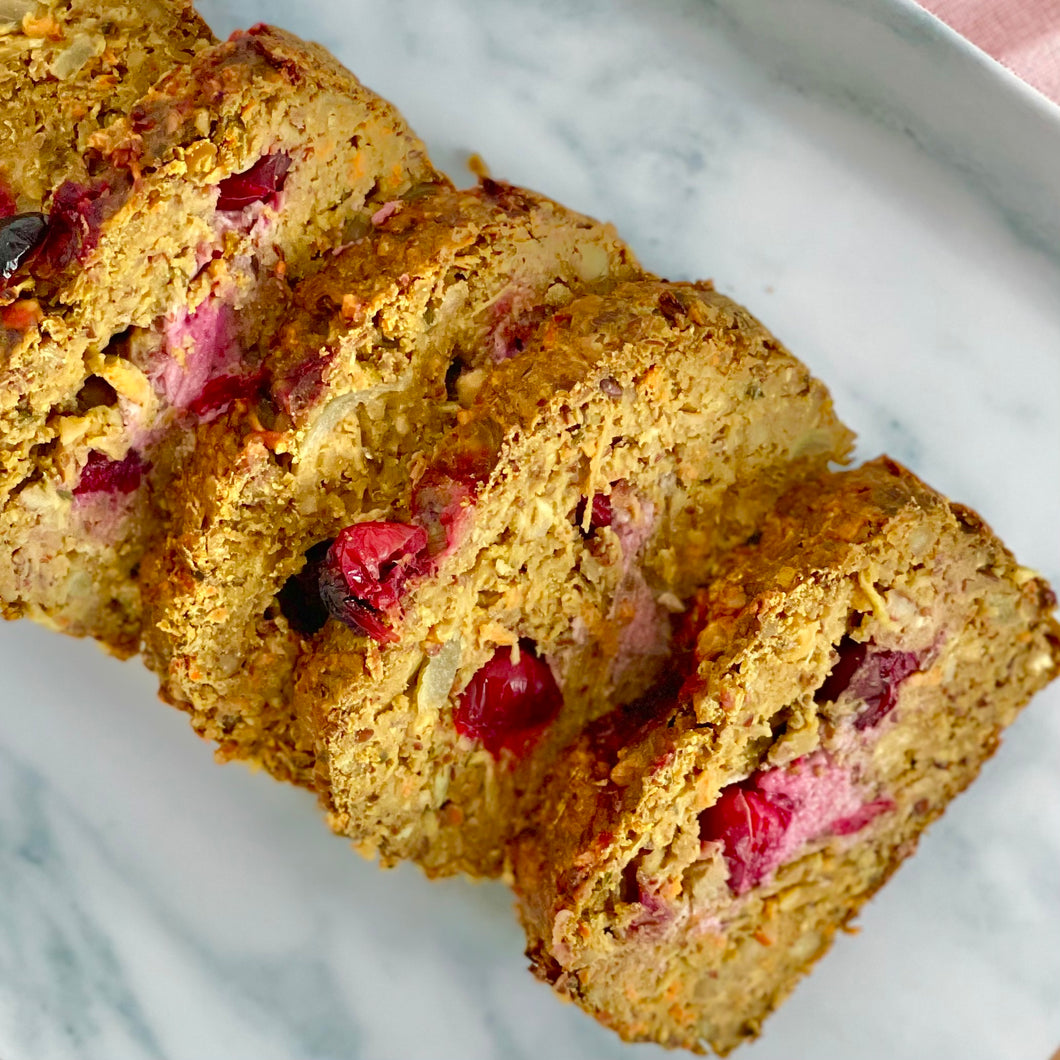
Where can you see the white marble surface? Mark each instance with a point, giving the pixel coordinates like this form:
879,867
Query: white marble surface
886,200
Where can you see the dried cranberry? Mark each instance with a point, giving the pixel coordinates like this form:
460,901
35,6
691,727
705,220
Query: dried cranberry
602,513
20,235
364,573
299,599
872,676
750,825
508,705
266,177
222,390
103,475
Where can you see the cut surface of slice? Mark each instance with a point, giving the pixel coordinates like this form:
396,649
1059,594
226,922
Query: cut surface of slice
140,310
585,494
69,69
382,349
837,686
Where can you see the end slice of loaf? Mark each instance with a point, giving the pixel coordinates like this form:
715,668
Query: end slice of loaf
839,684
68,70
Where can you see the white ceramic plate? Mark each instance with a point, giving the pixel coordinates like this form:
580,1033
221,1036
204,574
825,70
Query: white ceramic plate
883,197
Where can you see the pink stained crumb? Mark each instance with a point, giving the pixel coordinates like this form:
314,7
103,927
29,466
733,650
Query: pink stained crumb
197,348
765,820
632,519
387,210
644,625
516,316
645,628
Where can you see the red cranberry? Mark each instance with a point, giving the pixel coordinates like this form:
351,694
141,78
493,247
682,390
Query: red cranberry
20,235
303,385
266,177
222,390
750,825
851,656
103,475
858,820
873,676
8,206
508,705
76,214
602,513
878,684
364,573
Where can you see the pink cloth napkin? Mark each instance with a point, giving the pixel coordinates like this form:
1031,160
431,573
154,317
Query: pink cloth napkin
1023,34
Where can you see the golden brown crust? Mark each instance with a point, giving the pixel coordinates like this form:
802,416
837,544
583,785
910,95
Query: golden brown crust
68,69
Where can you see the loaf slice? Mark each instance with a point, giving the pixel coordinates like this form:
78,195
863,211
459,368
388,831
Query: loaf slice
585,494
138,311
369,370
845,678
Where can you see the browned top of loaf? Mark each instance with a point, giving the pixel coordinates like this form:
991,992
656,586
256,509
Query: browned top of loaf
249,69
364,289
625,324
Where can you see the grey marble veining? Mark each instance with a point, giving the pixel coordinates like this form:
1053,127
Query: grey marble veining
883,199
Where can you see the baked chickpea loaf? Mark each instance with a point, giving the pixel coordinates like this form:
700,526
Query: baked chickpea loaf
588,490
372,365
844,678
138,311
401,488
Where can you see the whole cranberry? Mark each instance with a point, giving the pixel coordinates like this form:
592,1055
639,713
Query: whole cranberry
750,825
363,576
507,705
